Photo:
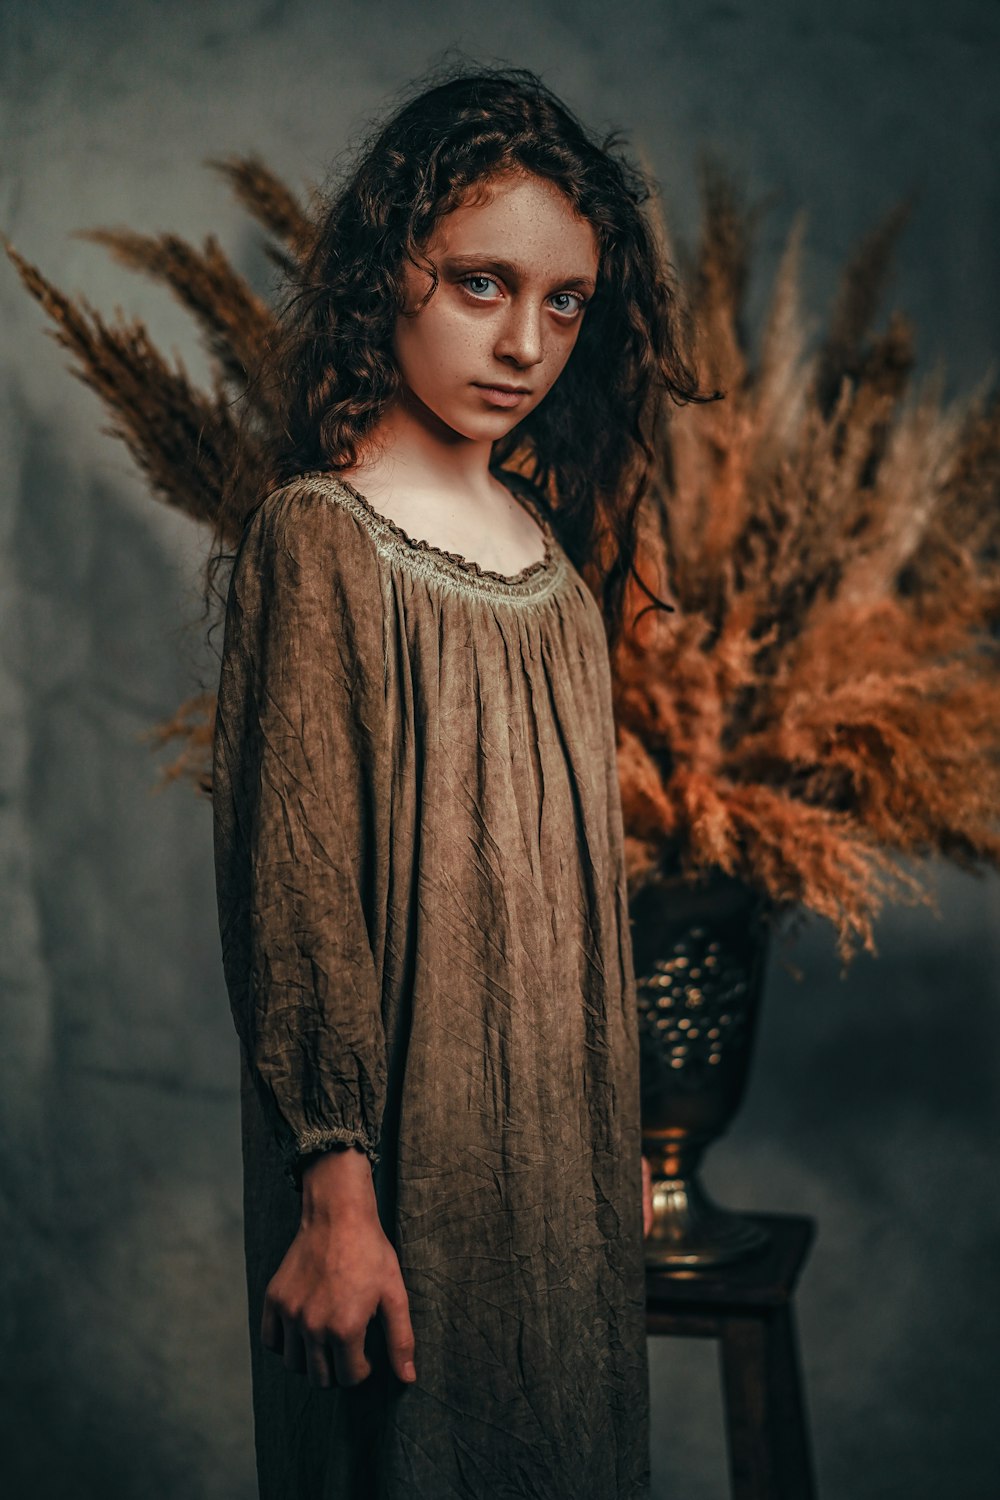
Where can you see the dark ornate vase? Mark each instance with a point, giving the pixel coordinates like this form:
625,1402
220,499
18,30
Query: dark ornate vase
700,954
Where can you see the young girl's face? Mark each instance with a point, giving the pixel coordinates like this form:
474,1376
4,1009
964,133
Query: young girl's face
514,276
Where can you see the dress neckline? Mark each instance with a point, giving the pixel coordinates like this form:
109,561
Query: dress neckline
534,578
529,569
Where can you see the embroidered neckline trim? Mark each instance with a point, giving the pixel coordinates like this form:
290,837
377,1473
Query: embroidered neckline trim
534,582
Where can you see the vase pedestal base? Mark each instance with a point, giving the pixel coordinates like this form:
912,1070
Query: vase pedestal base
689,1230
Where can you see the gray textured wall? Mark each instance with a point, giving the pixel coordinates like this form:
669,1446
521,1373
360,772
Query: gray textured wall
873,1100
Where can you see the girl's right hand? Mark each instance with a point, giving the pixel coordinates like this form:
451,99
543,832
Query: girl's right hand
338,1272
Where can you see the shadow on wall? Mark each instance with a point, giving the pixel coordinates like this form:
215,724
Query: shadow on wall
120,1188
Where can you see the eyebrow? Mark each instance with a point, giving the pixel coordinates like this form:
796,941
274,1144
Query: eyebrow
512,269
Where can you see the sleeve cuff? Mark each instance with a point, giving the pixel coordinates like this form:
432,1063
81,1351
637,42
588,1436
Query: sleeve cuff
309,1142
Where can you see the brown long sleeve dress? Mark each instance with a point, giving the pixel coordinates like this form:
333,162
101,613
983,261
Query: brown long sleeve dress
424,922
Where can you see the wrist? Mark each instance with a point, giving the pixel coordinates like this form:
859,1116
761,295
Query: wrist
337,1179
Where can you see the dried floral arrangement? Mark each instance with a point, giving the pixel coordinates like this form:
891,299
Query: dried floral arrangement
825,702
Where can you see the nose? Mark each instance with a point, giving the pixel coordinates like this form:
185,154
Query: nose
520,338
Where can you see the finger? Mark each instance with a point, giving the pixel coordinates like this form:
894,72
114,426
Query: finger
271,1328
294,1350
349,1363
395,1312
318,1364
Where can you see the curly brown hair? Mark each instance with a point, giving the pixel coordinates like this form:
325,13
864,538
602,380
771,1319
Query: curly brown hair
587,448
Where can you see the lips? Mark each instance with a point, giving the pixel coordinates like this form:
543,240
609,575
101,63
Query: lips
520,390
500,396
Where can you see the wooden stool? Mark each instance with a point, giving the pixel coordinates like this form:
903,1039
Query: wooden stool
748,1308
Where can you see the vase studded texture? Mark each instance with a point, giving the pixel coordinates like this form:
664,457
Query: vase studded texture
700,955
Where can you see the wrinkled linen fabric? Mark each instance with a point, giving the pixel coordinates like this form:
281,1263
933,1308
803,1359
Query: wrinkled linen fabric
425,938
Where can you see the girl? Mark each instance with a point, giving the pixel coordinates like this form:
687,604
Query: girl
419,845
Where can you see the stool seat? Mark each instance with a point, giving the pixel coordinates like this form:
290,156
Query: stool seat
748,1307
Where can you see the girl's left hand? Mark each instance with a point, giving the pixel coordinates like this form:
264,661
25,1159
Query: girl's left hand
647,1198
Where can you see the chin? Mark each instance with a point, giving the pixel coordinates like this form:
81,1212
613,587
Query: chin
487,423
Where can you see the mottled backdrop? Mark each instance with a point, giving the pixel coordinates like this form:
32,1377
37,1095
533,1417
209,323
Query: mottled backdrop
873,1104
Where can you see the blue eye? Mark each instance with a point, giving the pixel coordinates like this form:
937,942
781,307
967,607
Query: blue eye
580,301
466,279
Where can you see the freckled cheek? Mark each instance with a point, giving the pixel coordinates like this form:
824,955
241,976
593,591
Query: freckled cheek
451,350
548,372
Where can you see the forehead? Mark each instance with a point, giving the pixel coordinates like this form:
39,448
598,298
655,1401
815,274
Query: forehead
526,219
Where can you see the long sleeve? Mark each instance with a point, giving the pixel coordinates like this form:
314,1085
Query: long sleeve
296,759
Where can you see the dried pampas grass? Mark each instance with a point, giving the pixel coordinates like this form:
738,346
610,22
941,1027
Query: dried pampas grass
825,702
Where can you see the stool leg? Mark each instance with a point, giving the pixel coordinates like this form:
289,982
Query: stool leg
742,1360
787,1407
766,1437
